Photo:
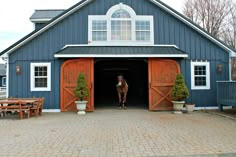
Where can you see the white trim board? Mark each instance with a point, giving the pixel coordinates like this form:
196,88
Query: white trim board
105,45
40,20
227,81
196,108
49,25
191,25
211,108
51,110
119,56
7,75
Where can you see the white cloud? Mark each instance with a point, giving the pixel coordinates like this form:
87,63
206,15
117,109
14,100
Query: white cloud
15,15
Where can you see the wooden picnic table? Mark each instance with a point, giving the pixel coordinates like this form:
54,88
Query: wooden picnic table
18,105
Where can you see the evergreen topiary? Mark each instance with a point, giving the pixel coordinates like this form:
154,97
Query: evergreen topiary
179,91
81,91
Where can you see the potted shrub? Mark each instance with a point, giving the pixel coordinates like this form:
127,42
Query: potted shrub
179,93
81,92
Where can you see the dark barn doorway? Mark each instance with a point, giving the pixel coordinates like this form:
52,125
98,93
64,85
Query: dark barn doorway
135,72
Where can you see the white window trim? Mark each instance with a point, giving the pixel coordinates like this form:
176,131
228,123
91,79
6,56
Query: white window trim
32,83
207,87
108,18
4,85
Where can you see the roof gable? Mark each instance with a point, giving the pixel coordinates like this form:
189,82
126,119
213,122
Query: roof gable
54,21
193,25
82,3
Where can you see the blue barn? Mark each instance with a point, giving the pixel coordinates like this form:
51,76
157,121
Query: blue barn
145,40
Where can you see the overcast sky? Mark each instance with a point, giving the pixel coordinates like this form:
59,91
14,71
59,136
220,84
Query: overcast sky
14,16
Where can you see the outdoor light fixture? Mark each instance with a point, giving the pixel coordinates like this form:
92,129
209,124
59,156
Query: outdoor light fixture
219,68
18,69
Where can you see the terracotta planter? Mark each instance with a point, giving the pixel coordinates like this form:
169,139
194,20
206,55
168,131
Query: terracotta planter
81,106
178,106
189,107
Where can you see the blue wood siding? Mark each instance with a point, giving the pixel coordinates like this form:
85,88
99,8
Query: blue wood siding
39,25
1,80
74,30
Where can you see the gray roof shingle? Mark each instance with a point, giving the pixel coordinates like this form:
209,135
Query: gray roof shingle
45,14
120,50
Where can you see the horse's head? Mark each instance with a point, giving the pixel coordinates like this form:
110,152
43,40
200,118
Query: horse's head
120,80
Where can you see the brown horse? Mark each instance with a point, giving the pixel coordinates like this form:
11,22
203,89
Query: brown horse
122,90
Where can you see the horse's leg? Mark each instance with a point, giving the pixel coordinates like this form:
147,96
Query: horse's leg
124,100
120,101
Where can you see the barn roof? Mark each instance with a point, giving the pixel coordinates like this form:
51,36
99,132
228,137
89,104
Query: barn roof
82,3
72,51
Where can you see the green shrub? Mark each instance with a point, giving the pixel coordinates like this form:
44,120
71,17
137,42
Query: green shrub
179,91
81,91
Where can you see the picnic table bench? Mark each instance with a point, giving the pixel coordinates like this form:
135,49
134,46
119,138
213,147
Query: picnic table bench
29,105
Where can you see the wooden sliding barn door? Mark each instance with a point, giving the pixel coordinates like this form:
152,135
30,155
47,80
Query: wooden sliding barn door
69,74
162,74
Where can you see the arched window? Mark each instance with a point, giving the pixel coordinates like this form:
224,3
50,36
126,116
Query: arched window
120,26
121,13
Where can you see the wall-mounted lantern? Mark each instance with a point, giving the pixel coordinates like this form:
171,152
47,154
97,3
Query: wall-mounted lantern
219,68
18,70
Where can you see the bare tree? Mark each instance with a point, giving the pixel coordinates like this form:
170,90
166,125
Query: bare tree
229,29
210,14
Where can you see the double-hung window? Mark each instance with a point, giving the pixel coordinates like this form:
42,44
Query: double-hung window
200,75
99,30
143,30
40,76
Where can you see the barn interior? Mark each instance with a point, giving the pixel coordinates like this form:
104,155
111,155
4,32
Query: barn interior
135,72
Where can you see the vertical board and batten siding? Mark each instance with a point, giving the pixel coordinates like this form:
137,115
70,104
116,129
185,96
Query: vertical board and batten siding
74,30
1,80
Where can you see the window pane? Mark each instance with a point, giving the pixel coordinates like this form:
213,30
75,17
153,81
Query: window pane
142,25
99,25
200,81
99,35
121,13
143,36
120,30
142,30
36,69
200,70
40,82
99,30
41,76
